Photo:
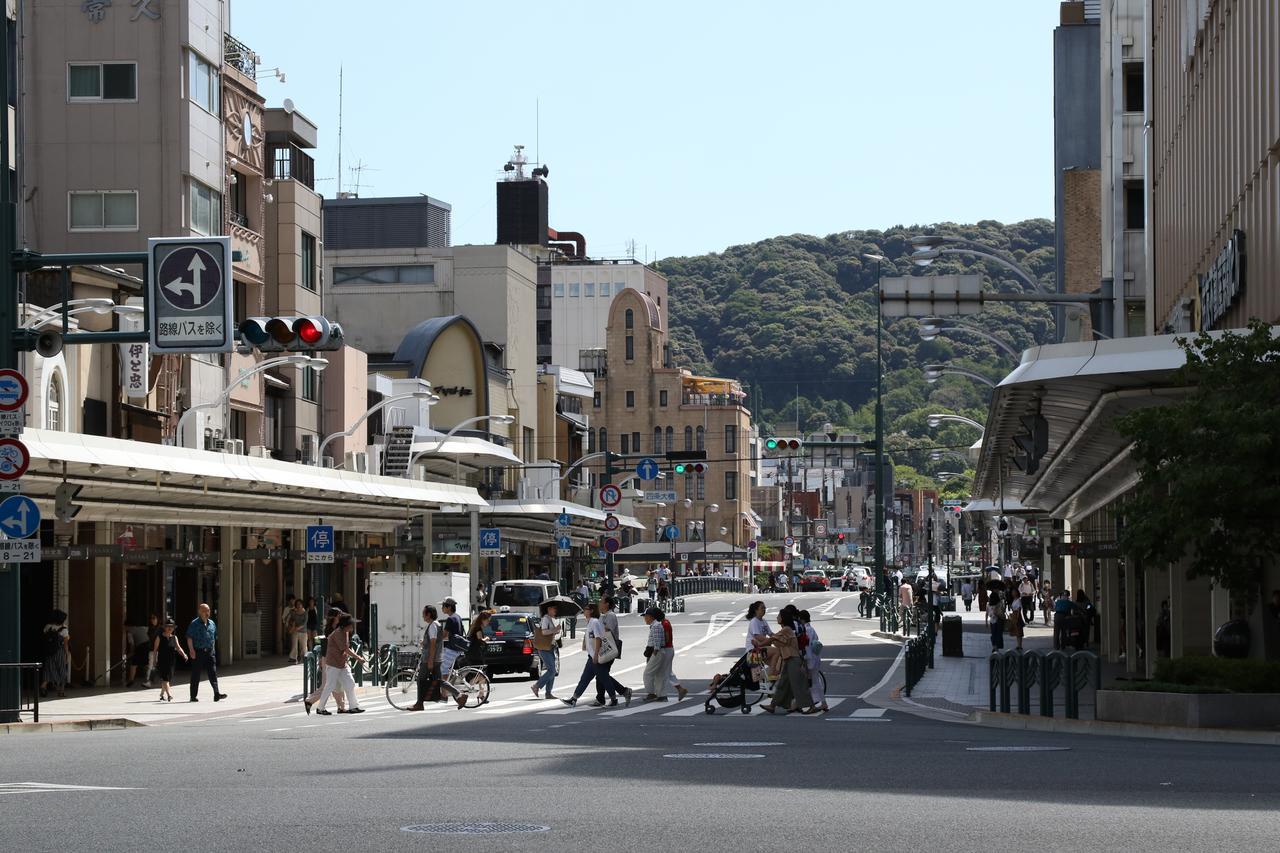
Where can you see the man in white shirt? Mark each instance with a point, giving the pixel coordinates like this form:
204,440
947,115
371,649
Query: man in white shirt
593,645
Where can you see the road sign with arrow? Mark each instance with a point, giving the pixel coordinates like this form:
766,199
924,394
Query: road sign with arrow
190,294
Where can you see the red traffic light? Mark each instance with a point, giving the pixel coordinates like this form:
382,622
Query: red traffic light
696,467
839,537
309,332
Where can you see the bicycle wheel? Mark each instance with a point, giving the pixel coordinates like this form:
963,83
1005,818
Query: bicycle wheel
823,676
476,684
402,689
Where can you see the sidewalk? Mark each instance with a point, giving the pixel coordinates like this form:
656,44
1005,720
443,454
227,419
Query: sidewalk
249,685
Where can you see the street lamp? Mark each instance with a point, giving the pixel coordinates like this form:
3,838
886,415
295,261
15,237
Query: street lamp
431,399
934,372
706,509
298,359
44,319
881,586
939,417
580,461
931,327
502,419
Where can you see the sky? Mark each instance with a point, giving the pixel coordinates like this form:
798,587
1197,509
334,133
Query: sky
686,127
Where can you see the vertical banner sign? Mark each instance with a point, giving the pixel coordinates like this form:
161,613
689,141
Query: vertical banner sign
135,360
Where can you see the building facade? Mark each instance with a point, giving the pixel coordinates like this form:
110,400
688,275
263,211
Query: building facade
573,305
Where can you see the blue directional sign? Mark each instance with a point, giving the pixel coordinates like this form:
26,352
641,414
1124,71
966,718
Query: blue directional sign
647,469
19,517
563,543
490,542
563,519
671,533
320,543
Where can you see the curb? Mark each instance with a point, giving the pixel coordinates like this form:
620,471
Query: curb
884,635
70,726
994,719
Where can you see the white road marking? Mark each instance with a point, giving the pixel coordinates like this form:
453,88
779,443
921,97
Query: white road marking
285,729
868,713
52,787
888,673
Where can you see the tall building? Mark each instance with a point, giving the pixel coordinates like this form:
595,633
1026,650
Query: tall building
574,302
1215,163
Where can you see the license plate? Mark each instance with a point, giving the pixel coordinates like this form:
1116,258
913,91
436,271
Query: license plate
495,647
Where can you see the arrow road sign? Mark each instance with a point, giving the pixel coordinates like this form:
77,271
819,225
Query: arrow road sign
562,519
19,517
671,533
190,294
13,390
563,543
320,543
14,459
647,469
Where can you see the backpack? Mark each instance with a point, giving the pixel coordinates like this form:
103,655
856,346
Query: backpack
999,610
52,641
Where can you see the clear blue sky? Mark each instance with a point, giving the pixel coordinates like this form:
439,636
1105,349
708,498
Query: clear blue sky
686,126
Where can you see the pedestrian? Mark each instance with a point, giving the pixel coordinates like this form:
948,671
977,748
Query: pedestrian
202,644
906,595
428,660
966,593
297,627
313,622
758,630
995,618
482,600
1027,592
544,640
284,620
593,643
813,663
340,603
56,669
141,640
669,650
789,690
167,649
1015,620
1063,610
584,592
322,669
337,651
663,592
477,641
1090,614
609,619
655,675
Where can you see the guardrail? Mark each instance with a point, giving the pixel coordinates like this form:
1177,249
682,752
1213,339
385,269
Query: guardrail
16,670
700,585
919,656
1047,671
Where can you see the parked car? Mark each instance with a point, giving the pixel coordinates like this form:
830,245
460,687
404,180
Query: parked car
814,580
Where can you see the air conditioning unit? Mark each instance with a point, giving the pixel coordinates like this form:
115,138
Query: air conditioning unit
233,446
260,451
310,444
326,461
217,445
357,461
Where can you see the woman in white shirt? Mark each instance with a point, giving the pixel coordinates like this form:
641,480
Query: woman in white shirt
756,626
813,664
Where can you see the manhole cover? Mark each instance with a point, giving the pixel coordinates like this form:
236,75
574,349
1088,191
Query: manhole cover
713,755
1017,749
743,743
474,828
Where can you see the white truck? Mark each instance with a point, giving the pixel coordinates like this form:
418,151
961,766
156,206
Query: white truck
400,597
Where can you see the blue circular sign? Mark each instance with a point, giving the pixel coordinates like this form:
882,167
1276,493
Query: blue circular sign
672,533
647,469
19,517
563,519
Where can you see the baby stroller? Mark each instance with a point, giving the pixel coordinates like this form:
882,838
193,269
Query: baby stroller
748,678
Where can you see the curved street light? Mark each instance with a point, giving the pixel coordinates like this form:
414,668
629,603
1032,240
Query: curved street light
931,327
929,247
297,359
934,372
413,460
96,304
939,417
431,399
881,588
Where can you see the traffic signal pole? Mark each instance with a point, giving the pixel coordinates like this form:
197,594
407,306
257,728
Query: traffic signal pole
606,588
10,573
881,581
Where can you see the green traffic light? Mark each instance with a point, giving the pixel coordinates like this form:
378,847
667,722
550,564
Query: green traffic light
680,468
771,444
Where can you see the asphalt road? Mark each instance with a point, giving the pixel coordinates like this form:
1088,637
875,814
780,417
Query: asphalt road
640,778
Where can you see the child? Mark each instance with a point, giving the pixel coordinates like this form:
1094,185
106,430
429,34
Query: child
167,650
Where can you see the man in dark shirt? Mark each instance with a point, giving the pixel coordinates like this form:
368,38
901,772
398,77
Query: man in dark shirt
202,642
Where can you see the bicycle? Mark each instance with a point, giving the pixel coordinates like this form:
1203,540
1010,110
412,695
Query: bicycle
402,688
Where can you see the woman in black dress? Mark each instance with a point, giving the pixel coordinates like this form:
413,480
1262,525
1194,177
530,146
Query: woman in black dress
167,650
478,642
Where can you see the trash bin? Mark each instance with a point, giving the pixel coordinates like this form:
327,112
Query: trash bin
952,637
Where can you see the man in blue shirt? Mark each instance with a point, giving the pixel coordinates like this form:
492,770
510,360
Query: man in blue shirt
202,640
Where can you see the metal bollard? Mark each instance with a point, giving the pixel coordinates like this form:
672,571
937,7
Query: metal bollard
373,641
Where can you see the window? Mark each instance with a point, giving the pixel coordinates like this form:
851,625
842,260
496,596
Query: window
103,211
595,399
702,439
102,81
617,287
688,438
573,289
53,406
730,485
631,399
406,274
635,441
1133,88
631,348
1134,204
657,439
688,485
629,319
310,384
203,84
702,487
206,209
557,290
589,289
308,261
730,438
662,397
604,439
604,288
626,443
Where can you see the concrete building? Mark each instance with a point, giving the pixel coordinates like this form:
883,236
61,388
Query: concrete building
647,406
573,306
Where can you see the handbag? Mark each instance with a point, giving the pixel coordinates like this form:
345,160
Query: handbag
608,649
457,643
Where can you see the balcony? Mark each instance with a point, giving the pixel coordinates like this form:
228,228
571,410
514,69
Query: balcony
238,55
289,162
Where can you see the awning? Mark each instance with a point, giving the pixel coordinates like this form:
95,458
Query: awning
1080,389
135,481
660,552
464,448
536,520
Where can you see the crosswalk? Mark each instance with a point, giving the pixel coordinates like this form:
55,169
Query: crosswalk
379,712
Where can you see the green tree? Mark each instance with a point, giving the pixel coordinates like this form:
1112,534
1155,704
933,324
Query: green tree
1209,463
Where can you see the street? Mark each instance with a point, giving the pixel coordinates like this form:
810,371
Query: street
655,776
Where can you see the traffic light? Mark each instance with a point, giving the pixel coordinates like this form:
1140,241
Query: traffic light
64,506
289,334
781,444
839,538
1032,445
690,467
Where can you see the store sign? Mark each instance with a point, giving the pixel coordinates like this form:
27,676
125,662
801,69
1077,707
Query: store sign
1223,283
135,360
1086,550
453,391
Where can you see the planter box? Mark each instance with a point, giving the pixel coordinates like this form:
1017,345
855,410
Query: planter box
1191,710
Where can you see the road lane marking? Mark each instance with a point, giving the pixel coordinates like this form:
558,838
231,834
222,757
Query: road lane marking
868,713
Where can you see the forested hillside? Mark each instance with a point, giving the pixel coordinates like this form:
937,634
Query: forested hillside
793,318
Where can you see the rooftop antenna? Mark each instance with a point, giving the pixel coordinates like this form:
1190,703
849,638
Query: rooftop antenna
339,131
358,171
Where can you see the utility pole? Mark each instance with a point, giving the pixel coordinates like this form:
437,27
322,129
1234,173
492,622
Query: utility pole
606,587
10,573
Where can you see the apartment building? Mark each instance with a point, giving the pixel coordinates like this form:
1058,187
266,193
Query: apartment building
574,297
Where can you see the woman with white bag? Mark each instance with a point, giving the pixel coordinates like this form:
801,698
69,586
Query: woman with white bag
601,648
